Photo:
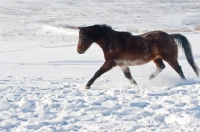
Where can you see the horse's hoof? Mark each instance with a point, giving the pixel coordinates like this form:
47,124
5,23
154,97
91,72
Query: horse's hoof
151,77
134,84
87,87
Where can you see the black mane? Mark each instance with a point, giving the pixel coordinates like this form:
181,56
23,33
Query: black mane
96,30
99,27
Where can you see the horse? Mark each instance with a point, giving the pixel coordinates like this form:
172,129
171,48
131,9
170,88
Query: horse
124,49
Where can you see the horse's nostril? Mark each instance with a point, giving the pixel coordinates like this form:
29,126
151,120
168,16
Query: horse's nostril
80,52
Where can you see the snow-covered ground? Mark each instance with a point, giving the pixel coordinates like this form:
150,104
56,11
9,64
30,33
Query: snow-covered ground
42,76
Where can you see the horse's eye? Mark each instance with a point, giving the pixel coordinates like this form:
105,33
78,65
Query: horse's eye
82,37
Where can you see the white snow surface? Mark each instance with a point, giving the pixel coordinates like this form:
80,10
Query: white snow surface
42,77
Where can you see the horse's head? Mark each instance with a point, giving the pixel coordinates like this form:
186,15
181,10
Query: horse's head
85,40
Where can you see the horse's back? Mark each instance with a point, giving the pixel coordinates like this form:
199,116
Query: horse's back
154,35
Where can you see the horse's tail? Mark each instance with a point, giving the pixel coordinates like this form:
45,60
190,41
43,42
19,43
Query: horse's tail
183,42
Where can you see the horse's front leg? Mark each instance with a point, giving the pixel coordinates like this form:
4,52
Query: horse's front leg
127,73
104,68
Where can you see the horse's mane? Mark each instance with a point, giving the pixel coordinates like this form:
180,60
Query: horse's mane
96,29
101,27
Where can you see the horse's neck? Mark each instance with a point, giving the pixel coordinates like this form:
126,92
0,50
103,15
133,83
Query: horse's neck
102,42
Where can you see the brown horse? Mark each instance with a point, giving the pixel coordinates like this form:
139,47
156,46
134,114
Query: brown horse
123,49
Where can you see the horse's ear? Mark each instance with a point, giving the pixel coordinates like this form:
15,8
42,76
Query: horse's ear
81,29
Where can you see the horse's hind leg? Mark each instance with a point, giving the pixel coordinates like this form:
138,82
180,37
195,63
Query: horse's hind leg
127,74
175,65
160,66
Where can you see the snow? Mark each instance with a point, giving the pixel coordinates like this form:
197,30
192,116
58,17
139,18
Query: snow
42,77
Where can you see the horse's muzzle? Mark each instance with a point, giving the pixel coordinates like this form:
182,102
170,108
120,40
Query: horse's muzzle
80,52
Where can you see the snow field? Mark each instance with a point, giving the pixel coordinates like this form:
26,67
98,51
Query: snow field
63,105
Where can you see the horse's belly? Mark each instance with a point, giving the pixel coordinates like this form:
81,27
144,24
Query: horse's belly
127,62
